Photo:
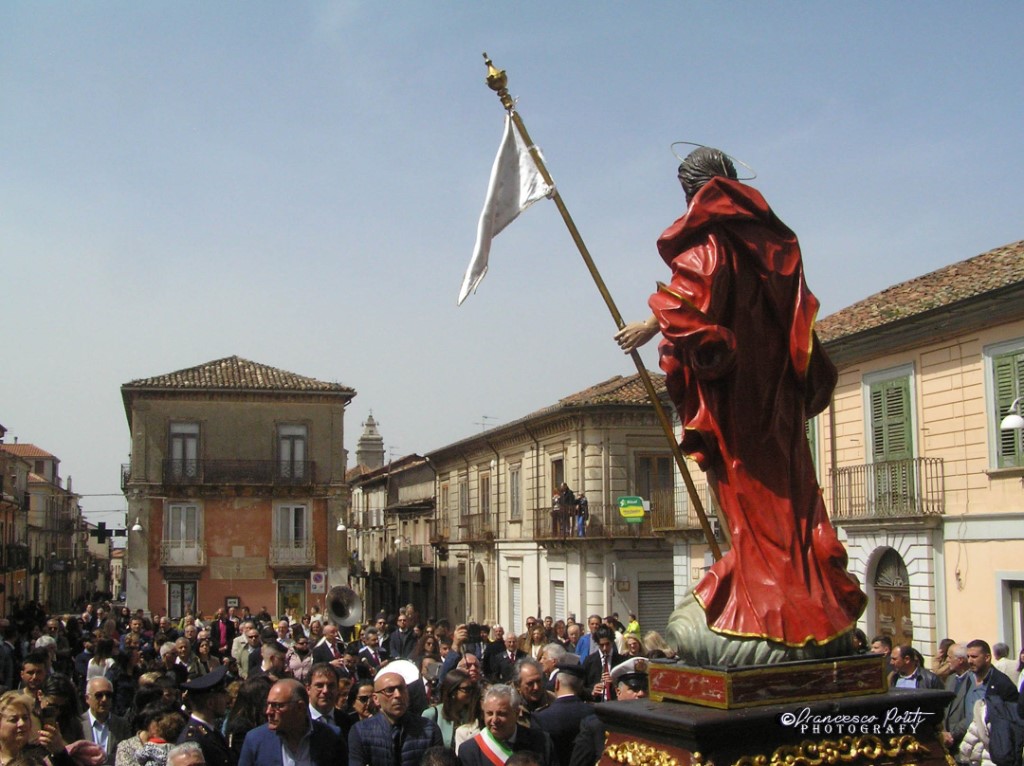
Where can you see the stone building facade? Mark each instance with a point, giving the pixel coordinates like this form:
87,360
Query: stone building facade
235,488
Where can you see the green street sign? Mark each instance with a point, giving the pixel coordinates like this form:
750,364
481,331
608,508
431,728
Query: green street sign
631,509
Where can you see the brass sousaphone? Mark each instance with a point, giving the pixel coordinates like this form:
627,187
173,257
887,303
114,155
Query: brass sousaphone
343,606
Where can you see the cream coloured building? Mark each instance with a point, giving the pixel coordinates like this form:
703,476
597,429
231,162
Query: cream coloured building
923,485
502,556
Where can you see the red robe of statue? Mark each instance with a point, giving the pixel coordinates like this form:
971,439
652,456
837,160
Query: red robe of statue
744,370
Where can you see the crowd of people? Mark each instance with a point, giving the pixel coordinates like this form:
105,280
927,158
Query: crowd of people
983,725
239,689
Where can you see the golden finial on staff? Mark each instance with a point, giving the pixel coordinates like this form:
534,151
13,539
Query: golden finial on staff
497,81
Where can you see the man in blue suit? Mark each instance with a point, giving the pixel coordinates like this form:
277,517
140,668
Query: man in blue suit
290,732
394,736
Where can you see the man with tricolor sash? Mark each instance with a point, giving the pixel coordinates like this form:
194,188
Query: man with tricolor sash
502,735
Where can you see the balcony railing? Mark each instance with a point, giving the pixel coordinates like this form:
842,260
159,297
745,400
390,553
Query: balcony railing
892,489
420,556
182,553
276,472
294,553
605,522
476,528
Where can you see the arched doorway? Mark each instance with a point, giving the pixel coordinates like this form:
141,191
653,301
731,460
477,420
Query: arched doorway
892,599
479,593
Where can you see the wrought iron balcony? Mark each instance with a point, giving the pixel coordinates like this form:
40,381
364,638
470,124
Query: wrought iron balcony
476,528
292,553
892,489
183,553
265,472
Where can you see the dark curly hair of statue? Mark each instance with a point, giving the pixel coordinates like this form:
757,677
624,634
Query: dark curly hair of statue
700,166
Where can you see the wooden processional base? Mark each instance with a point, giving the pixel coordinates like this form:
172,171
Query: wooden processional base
813,713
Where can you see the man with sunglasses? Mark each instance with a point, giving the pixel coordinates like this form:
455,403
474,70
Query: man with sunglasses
394,736
289,736
98,724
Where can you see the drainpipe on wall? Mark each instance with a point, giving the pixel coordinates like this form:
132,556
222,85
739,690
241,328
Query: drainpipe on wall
536,486
833,460
437,491
497,526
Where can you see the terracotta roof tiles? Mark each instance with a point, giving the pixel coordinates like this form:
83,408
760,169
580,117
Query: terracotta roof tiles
25,450
237,374
617,390
985,273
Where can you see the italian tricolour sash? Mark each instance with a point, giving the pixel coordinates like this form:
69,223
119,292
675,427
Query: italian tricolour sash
496,751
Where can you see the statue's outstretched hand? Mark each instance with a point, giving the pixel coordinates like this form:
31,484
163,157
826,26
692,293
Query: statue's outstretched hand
636,334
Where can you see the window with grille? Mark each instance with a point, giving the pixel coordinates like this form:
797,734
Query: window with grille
184,450
291,450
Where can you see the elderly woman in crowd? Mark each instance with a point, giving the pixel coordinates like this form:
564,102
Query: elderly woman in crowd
16,733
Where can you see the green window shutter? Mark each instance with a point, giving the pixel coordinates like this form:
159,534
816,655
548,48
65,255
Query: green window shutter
812,440
891,437
1008,377
892,480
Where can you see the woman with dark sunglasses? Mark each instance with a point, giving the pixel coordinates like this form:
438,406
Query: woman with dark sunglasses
359,705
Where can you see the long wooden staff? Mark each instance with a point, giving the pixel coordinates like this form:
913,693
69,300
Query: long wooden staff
498,82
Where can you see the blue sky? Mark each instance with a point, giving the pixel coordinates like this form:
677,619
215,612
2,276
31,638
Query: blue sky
299,184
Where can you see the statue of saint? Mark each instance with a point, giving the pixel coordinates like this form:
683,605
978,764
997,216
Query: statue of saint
745,371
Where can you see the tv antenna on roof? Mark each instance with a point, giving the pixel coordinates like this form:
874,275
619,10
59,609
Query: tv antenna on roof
483,422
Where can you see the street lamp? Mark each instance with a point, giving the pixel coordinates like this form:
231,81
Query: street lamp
1013,420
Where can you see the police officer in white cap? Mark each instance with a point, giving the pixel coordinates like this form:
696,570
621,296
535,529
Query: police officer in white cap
630,679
